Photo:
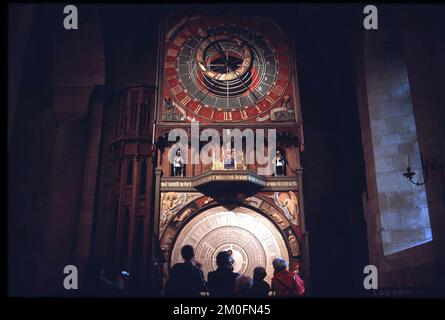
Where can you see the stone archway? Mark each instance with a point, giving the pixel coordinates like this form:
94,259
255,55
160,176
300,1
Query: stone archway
253,238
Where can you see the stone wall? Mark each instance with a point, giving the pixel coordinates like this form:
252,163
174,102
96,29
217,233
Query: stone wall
422,33
400,239
32,135
402,206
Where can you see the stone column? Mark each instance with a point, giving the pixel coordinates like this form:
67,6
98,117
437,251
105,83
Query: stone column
305,233
92,166
157,204
78,66
66,183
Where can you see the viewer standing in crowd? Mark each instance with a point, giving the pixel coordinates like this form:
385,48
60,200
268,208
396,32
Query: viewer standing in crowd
186,279
242,285
221,282
285,283
259,288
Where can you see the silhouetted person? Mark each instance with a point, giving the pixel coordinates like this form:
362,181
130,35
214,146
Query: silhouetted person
242,286
259,288
286,283
93,284
186,280
117,285
221,282
159,273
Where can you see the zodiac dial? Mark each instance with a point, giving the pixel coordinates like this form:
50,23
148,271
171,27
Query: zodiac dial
227,71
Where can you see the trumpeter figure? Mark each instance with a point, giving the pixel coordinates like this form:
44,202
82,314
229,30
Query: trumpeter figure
279,165
178,165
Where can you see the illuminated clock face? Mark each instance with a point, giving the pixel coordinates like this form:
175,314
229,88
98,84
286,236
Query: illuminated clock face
223,70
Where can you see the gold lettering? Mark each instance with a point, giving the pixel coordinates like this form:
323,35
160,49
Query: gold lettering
227,115
185,100
172,52
278,90
177,89
270,100
179,41
169,64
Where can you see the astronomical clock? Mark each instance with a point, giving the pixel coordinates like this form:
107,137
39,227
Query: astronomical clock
229,72
227,69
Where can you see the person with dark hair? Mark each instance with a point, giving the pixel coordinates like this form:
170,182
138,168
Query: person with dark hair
159,273
242,285
187,253
232,261
221,282
117,285
259,288
186,279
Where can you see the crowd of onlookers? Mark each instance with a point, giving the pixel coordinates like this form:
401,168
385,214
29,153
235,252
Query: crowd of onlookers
187,279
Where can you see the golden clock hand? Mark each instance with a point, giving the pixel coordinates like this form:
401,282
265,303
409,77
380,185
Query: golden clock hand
243,82
221,51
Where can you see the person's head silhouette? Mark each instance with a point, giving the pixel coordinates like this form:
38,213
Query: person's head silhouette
259,273
224,260
187,252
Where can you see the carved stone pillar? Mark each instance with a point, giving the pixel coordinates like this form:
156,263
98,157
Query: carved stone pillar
133,152
157,204
88,207
305,251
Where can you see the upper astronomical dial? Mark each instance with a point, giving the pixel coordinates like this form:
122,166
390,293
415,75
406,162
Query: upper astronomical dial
212,70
